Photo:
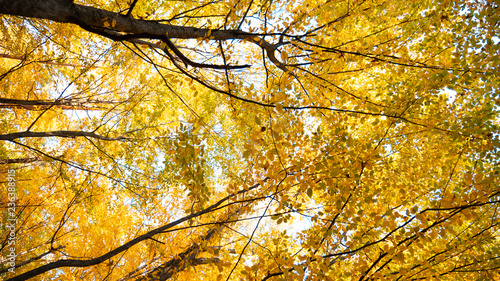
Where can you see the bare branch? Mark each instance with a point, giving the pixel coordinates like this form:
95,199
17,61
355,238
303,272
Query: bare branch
62,134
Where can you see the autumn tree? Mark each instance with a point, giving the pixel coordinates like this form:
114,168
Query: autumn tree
249,140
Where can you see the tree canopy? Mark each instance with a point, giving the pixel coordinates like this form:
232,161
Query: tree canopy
249,140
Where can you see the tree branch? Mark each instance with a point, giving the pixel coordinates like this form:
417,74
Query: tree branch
62,134
180,262
90,262
123,28
58,103
42,61
129,12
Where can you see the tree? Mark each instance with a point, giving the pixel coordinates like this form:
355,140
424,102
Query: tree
259,140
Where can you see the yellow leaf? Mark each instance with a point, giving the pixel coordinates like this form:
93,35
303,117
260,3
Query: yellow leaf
310,192
284,56
400,257
279,108
468,178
